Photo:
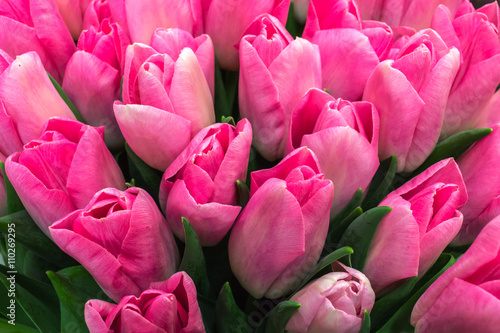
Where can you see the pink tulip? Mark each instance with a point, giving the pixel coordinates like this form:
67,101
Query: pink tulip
479,166
350,49
275,72
168,99
490,114
226,21
478,41
27,100
412,13
72,12
122,239
61,170
166,307
344,137
200,184
100,10
410,94
466,297
173,41
145,16
279,236
36,25
335,303
423,221
93,77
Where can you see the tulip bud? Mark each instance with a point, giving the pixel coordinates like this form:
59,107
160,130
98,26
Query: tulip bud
166,98
122,239
63,168
200,184
423,221
465,298
279,70
336,302
344,137
279,236
168,306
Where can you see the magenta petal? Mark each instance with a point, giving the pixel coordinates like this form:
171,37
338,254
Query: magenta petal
168,134
9,139
135,57
95,313
262,228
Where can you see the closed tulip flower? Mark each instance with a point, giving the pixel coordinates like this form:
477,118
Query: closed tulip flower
336,302
166,307
344,137
410,94
27,100
72,13
479,166
478,41
173,41
200,184
36,25
275,72
100,10
412,13
166,98
279,236
76,164
350,48
93,77
423,221
122,239
465,298
226,21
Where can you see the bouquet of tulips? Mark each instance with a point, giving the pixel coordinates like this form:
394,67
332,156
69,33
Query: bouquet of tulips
268,166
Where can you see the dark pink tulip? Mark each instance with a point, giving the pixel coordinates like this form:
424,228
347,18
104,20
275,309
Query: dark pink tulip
93,77
350,49
173,41
275,72
418,81
280,233
335,303
478,41
200,184
479,166
27,100
412,13
72,12
344,137
466,297
226,21
145,16
36,25
423,221
169,99
63,168
122,239
166,307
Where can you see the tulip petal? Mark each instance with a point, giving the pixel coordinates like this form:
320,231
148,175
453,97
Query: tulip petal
9,139
135,57
95,313
264,228
162,128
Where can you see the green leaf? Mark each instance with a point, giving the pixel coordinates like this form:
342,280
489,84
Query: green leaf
14,204
381,183
453,146
385,307
365,328
226,83
400,321
243,193
28,234
37,299
280,315
66,99
360,233
229,317
323,263
5,327
228,120
193,261
342,220
145,176
207,308
74,287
